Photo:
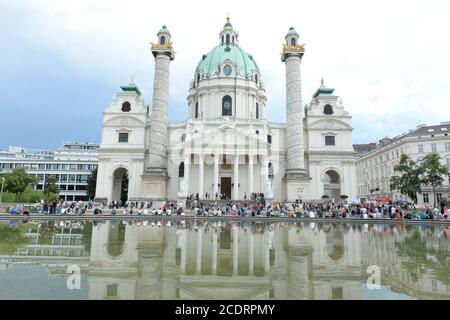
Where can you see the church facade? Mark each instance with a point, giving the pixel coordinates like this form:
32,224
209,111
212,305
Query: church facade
227,146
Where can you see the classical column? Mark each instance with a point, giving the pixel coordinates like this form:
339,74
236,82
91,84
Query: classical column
266,256
235,250
236,177
251,254
187,164
157,160
214,253
198,269
201,175
250,175
216,175
183,252
292,55
264,173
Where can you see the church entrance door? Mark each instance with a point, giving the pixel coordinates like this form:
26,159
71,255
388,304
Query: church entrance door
225,187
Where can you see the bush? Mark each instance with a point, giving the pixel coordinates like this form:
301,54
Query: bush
9,197
30,195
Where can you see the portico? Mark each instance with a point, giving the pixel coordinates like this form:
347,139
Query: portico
234,175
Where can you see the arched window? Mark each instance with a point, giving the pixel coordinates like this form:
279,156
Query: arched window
181,170
257,110
198,78
293,41
328,110
223,39
226,106
196,110
227,37
270,170
126,107
163,40
256,78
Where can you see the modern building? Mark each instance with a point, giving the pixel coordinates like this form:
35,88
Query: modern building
71,165
227,145
375,168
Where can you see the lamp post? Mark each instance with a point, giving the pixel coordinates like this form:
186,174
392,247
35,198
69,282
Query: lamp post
1,193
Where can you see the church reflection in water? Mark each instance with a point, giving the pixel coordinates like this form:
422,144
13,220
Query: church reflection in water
246,260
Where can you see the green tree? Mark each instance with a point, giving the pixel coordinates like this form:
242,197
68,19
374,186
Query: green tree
433,172
344,197
92,184
18,180
51,187
325,197
408,178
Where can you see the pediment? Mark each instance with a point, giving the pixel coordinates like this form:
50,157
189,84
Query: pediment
217,292
329,124
124,121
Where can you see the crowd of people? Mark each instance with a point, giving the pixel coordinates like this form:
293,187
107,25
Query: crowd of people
256,206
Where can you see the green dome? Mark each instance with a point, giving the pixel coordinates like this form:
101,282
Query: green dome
164,29
244,62
292,32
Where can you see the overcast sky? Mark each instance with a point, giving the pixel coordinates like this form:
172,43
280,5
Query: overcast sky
61,61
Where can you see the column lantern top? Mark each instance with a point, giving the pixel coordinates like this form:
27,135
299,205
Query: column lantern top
163,46
292,46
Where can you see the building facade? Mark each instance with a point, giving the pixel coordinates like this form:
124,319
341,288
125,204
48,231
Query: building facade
71,165
227,146
375,168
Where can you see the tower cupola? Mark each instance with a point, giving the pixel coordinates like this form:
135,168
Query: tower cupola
228,36
163,36
292,37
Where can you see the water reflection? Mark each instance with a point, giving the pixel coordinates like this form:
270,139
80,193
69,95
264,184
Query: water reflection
235,260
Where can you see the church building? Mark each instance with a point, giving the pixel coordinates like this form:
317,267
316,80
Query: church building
227,146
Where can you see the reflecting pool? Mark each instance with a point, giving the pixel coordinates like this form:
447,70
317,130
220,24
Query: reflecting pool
222,260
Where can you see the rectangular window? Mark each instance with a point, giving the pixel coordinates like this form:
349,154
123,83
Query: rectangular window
329,141
64,178
123,137
70,187
63,187
71,178
420,148
64,166
447,147
82,178
81,187
73,167
111,290
336,293
33,166
438,198
433,147
48,166
41,166
269,139
425,198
